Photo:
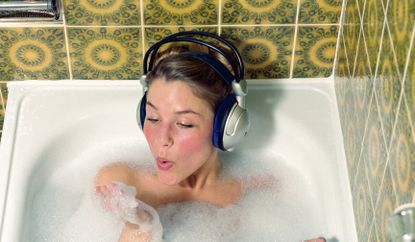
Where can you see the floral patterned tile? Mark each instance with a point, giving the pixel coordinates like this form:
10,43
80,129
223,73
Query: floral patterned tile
351,32
33,53
388,86
374,151
361,89
155,34
410,86
401,19
266,51
259,12
315,50
320,11
402,157
385,206
182,12
105,53
362,203
102,12
373,24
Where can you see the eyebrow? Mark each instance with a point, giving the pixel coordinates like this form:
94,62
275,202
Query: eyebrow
186,111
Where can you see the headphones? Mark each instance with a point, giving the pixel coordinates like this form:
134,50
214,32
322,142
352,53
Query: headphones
231,121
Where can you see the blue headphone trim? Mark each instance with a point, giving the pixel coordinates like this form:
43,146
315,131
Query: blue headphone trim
221,116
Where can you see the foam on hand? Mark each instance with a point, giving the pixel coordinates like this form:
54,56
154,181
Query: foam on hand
121,200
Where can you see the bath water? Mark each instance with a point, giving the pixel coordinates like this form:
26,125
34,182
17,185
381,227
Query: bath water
67,209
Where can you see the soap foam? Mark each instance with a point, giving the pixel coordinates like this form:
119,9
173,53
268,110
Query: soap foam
282,209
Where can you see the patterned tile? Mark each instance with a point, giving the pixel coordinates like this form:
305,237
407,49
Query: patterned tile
315,50
374,151
102,12
181,12
155,34
362,204
3,89
362,86
373,22
266,51
33,53
320,11
4,94
343,67
387,86
105,53
351,31
410,85
401,18
385,207
259,11
402,158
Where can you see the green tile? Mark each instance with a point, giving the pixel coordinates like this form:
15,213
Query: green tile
401,19
402,158
155,34
373,22
387,86
105,53
184,12
259,12
4,94
343,67
106,12
351,28
315,51
374,151
266,51
410,85
33,53
385,206
320,11
362,204
362,88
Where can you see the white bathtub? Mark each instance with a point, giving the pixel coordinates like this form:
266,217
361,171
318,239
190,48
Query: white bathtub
47,122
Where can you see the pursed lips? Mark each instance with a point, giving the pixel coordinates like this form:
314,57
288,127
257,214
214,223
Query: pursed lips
163,164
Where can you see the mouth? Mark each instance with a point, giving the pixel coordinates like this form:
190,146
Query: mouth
163,164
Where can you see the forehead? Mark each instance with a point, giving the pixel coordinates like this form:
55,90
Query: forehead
175,94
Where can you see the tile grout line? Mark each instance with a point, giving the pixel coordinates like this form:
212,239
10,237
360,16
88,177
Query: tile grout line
187,25
294,39
68,55
219,17
143,49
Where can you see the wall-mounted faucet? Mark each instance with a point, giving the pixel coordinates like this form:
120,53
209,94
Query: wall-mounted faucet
30,10
402,224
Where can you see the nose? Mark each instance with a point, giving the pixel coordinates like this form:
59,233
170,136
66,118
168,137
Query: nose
165,138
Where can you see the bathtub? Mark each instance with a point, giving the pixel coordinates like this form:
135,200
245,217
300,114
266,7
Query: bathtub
47,122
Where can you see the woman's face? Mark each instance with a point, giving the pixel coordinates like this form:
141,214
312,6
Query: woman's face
178,128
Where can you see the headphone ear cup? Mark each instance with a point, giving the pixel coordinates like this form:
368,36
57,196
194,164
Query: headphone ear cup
220,120
141,110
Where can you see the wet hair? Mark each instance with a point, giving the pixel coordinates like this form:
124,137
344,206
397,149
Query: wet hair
172,65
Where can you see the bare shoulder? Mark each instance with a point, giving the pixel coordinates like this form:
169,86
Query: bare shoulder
120,172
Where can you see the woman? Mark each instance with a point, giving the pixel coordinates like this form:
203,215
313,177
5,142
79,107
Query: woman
184,93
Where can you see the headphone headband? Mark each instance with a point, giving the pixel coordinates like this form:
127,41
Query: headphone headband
185,37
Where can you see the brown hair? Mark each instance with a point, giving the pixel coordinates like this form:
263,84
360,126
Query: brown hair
171,65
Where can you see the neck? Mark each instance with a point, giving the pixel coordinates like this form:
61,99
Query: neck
205,176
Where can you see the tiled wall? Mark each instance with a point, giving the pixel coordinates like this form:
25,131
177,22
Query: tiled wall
106,39
375,85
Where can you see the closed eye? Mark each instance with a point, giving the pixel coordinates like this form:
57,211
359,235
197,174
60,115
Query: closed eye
185,126
152,120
